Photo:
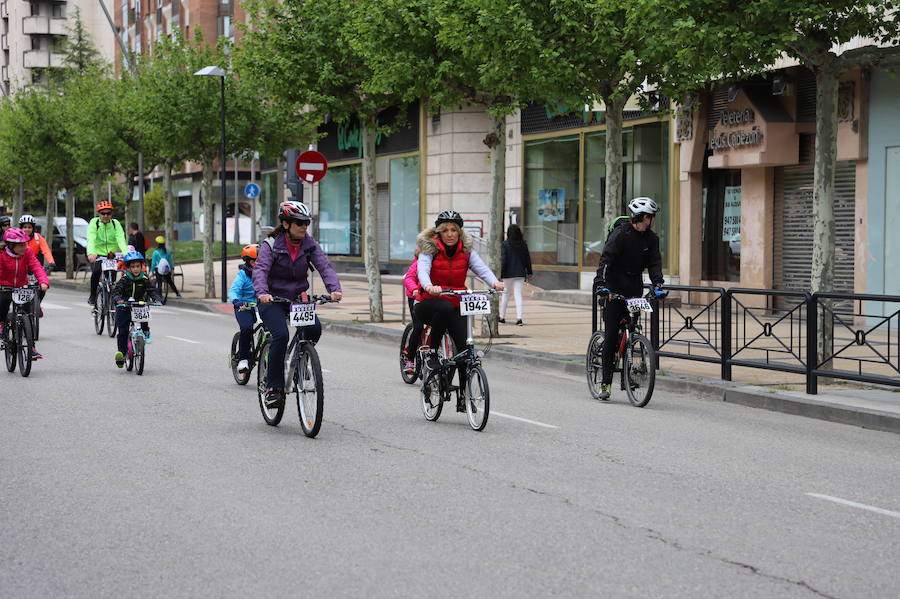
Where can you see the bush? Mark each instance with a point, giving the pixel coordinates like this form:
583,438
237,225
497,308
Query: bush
154,208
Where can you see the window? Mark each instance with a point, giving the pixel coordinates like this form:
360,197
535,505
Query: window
225,28
59,11
550,211
35,9
720,224
340,209
404,207
35,42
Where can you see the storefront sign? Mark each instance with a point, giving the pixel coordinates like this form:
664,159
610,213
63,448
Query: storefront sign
552,204
731,215
736,117
474,227
736,139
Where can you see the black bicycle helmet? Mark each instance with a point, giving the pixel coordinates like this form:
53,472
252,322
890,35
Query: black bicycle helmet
5,221
449,216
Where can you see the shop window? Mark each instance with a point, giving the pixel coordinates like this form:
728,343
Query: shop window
551,200
721,224
340,209
268,198
404,207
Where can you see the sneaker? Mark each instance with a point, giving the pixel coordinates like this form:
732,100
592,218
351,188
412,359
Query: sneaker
501,320
519,322
92,301
274,399
243,367
35,354
605,392
120,359
409,367
40,312
147,338
433,361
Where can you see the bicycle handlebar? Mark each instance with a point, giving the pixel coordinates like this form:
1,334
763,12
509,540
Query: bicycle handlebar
130,303
467,291
13,288
313,299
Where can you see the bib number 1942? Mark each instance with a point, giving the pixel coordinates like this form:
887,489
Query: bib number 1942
474,303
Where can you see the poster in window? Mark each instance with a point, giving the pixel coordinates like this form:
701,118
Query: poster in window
552,204
731,219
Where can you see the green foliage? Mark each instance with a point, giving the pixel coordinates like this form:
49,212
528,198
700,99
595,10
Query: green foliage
154,208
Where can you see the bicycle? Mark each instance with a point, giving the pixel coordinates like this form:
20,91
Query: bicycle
259,336
18,335
35,308
104,311
635,355
137,343
304,375
446,349
437,387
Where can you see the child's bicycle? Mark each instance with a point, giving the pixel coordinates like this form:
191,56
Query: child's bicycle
18,335
445,350
635,356
304,375
259,336
437,386
137,343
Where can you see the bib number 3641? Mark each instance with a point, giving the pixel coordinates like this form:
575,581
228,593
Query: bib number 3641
474,303
303,315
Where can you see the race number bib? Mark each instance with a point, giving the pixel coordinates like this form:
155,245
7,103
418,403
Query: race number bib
639,304
108,264
140,313
474,303
23,295
302,315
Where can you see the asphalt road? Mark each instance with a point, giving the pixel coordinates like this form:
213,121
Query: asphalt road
170,484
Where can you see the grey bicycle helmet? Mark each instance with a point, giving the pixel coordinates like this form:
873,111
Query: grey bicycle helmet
5,221
643,206
449,216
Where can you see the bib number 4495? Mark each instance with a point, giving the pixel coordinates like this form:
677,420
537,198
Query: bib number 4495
303,315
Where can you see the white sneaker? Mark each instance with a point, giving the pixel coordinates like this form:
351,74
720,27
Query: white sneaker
243,367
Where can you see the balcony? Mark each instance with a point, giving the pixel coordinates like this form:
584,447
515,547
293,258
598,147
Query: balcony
44,26
41,59
4,10
4,42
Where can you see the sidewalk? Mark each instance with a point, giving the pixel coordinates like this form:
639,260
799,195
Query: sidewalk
555,336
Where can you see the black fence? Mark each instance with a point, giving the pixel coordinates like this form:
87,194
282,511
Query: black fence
780,330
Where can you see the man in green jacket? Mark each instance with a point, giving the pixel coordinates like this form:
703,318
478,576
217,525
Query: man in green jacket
105,237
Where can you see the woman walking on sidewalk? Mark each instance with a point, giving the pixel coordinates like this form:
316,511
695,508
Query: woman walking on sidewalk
515,268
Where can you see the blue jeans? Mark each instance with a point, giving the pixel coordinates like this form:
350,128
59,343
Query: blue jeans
274,316
246,319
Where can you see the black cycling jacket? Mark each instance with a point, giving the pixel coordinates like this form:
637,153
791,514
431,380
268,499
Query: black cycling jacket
625,256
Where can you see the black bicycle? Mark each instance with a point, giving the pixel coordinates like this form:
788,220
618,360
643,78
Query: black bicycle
18,330
104,311
259,336
445,350
437,385
137,343
635,356
304,375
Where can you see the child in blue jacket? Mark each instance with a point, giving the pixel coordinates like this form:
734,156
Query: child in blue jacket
241,294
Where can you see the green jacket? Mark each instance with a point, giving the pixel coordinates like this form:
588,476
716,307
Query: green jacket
105,238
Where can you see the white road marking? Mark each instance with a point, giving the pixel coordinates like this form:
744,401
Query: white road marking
182,339
535,422
200,312
326,370
861,506
54,306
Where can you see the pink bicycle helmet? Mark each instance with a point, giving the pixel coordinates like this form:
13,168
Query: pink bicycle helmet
16,236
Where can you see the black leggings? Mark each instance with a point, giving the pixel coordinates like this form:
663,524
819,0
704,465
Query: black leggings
613,313
416,336
444,317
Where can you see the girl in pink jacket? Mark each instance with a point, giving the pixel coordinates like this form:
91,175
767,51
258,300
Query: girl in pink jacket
413,293
16,261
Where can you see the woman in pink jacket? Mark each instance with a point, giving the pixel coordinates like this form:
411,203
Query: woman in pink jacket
16,261
413,294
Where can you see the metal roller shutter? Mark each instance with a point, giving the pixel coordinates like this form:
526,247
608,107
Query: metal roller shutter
793,223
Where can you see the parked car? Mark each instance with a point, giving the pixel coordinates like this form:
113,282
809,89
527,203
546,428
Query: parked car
57,240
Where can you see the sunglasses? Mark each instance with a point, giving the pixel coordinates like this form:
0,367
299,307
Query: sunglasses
302,223
105,213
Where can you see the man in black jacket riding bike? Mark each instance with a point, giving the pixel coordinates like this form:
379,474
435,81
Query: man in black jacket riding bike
629,249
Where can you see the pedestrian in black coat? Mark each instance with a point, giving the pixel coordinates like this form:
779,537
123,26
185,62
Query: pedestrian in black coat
515,261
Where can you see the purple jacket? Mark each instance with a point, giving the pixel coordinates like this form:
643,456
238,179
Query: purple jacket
278,275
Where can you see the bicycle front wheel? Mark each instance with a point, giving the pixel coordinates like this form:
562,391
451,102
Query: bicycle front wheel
25,345
139,352
99,312
272,416
309,389
432,403
478,398
110,310
640,370
593,362
240,379
408,378
36,316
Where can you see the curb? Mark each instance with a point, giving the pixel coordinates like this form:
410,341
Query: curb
708,388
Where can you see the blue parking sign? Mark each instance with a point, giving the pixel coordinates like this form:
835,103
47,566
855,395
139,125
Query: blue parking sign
252,191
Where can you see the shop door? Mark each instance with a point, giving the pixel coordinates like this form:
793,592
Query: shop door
384,222
892,219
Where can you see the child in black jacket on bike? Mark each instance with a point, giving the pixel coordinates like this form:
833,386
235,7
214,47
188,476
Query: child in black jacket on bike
135,285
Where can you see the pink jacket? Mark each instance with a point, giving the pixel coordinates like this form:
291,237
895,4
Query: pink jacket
411,280
14,269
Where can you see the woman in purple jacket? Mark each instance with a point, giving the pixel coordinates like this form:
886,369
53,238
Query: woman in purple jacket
282,270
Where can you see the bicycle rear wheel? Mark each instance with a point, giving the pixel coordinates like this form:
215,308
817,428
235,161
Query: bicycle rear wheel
139,347
593,362
640,370
9,346
240,379
272,416
409,379
478,398
25,344
309,389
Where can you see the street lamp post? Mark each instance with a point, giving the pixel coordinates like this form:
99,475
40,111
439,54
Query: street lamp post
214,71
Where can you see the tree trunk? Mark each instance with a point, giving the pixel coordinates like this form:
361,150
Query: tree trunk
613,198
169,205
254,226
129,185
19,202
822,275
96,182
51,212
209,278
370,250
70,235
496,141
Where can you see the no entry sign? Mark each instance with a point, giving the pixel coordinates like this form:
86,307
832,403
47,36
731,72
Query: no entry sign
311,166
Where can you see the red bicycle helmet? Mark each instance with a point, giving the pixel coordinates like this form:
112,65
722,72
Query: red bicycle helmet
104,205
293,211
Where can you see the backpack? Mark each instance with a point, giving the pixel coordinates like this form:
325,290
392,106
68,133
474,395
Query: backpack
163,267
616,222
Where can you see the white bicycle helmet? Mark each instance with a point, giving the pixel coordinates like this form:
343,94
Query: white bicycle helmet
643,206
294,211
26,219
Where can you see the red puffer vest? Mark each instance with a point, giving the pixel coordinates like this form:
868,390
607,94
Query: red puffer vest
449,272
